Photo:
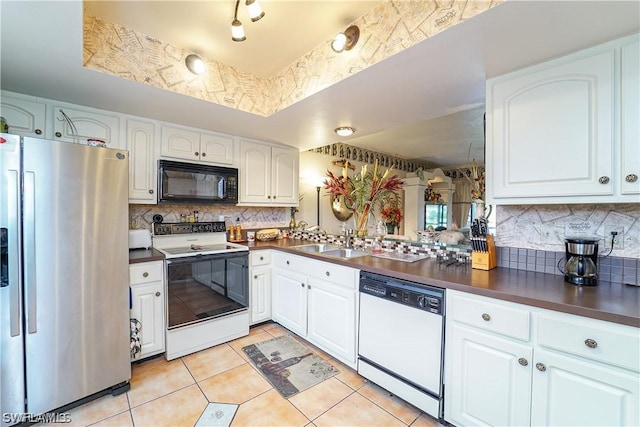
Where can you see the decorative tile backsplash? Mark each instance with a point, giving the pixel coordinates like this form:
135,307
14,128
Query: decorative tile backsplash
544,227
141,216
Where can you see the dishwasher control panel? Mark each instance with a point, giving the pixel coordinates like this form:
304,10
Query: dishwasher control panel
403,292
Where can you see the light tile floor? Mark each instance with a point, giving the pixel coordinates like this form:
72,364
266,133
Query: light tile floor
176,393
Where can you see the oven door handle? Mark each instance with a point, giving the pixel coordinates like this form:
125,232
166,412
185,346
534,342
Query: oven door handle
197,258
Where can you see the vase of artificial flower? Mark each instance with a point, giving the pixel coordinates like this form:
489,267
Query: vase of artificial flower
392,215
362,191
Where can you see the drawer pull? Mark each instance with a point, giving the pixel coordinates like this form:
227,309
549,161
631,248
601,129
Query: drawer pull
145,274
632,177
287,262
261,258
603,180
327,273
486,317
540,367
157,294
591,343
523,361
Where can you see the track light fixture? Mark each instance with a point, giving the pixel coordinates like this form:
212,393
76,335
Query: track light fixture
195,64
255,13
346,40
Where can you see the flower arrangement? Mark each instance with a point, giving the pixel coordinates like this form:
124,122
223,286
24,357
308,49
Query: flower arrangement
362,191
391,215
477,180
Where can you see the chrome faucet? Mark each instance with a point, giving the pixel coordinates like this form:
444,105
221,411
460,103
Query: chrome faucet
348,236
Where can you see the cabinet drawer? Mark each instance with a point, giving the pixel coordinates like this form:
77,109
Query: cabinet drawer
501,318
605,342
289,262
260,258
145,272
333,273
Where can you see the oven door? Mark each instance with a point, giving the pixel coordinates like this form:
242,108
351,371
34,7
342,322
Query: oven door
201,287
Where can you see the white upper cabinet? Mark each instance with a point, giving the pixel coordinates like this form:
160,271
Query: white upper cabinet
24,117
268,174
86,124
630,131
193,145
141,143
555,133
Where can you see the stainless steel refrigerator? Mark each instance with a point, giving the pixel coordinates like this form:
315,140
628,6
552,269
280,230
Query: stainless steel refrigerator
64,295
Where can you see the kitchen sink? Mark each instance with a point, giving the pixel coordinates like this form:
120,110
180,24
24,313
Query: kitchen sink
316,247
346,253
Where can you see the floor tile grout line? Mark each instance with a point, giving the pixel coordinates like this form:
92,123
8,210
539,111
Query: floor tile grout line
420,412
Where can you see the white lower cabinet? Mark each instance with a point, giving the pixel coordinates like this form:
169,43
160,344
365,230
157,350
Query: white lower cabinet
147,305
556,370
331,318
487,385
260,286
569,391
318,301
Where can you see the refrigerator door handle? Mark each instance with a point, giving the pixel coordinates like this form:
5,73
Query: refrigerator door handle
13,204
30,250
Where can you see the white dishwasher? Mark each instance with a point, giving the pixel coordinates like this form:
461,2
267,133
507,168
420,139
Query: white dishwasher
401,336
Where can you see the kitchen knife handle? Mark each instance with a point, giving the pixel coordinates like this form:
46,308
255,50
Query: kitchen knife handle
30,250
13,255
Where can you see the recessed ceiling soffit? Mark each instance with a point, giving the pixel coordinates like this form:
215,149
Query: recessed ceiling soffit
387,29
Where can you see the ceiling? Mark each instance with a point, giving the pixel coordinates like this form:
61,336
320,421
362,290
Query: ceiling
425,102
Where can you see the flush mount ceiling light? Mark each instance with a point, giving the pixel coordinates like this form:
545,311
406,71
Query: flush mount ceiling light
255,13
195,64
346,40
345,131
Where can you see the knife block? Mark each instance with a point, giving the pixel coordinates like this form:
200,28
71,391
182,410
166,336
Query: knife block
485,260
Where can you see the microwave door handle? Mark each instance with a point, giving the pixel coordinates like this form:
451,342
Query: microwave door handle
222,188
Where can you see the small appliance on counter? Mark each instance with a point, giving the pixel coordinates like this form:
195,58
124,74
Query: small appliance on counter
139,239
582,259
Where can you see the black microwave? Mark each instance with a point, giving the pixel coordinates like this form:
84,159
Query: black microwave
180,182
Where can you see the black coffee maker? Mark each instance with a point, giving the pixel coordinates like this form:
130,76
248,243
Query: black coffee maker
582,260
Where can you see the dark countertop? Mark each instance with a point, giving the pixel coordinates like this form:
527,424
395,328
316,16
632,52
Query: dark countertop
145,255
612,302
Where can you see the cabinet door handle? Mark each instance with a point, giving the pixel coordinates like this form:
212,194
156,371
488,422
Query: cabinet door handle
196,154
204,154
591,343
255,277
486,317
287,262
268,197
523,361
632,177
145,274
540,367
274,197
157,294
261,258
302,284
603,180
309,287
150,191
327,273
38,132
58,134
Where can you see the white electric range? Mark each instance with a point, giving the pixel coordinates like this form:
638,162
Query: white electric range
207,286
